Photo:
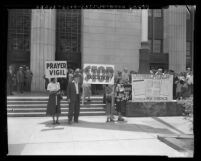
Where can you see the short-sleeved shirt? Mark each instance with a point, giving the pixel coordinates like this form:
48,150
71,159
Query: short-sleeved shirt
53,86
189,79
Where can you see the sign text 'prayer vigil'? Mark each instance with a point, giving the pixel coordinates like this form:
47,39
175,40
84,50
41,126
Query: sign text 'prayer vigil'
98,73
55,69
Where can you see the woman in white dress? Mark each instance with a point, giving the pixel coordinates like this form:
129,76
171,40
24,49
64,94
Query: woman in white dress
53,106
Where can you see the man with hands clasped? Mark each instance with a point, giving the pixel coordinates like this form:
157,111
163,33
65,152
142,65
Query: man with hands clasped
73,97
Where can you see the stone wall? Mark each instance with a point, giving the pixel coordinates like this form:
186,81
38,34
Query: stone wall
111,37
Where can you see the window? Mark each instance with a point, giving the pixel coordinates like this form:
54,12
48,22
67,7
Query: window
150,44
188,48
188,54
68,30
157,12
19,24
157,46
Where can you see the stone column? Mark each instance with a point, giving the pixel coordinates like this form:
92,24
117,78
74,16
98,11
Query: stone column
43,25
144,30
175,37
144,50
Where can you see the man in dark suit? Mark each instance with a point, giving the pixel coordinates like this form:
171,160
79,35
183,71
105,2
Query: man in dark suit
10,76
73,97
20,79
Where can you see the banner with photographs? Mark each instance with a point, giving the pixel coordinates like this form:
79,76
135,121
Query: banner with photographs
155,88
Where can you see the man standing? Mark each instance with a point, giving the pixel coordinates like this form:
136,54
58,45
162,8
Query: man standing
28,79
73,97
10,76
20,80
125,75
159,71
189,78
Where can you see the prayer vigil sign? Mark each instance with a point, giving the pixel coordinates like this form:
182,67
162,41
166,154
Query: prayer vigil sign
147,88
56,69
98,74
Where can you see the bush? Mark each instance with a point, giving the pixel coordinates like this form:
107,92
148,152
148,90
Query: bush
188,105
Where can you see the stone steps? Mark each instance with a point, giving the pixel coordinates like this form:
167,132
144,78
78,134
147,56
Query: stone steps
35,106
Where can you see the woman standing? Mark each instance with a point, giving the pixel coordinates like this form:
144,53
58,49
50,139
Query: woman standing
109,106
53,106
120,98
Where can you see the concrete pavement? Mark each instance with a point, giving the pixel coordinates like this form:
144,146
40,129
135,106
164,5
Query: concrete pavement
92,136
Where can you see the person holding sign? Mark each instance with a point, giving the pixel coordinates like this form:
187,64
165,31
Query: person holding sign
73,97
53,106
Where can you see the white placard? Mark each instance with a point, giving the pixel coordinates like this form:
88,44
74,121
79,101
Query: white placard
98,74
56,69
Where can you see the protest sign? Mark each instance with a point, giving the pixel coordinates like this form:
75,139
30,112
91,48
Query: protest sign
147,87
56,69
98,74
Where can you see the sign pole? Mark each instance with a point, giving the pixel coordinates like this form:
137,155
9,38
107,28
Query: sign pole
113,96
83,95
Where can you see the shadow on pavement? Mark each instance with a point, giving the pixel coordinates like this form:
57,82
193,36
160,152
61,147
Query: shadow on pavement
15,149
167,124
107,126
51,126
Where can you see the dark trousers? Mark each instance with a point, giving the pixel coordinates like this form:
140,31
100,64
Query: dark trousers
9,88
190,89
20,87
121,107
74,109
28,85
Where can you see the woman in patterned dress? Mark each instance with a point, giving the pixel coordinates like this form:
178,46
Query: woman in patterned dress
120,98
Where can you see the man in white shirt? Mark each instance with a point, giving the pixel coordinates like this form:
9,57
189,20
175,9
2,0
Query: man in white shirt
125,75
189,78
73,97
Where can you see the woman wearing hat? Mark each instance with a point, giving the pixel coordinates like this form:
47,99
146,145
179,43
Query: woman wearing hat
53,106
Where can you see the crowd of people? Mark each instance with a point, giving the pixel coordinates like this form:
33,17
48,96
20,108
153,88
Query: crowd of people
73,87
182,82
19,79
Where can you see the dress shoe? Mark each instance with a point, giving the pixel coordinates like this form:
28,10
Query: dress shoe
108,120
53,123
112,120
121,119
69,122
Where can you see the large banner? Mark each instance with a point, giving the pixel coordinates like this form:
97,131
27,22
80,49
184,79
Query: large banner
56,69
98,74
147,87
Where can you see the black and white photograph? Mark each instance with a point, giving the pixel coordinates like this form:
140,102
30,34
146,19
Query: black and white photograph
100,81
